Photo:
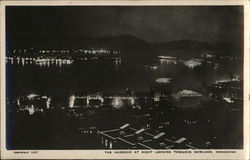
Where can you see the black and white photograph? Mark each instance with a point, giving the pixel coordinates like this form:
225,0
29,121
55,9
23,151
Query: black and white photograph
124,77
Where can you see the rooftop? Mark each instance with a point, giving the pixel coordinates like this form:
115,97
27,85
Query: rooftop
141,139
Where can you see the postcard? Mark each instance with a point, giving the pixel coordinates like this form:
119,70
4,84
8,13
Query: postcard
125,79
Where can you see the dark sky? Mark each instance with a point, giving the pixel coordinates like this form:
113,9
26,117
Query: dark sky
153,24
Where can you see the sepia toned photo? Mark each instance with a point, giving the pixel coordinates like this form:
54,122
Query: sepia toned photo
124,77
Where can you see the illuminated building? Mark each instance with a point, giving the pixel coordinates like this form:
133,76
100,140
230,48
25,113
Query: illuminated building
157,96
185,93
227,91
160,91
186,98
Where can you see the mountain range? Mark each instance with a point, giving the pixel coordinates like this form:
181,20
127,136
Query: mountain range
121,42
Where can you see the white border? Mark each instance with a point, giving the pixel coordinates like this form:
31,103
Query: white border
100,154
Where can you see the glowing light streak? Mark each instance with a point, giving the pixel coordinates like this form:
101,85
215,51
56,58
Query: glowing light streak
72,101
117,102
48,103
192,63
163,80
32,96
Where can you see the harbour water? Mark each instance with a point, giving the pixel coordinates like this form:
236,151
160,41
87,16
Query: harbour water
55,78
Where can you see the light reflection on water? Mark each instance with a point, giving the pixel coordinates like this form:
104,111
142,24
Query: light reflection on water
167,66
112,75
118,63
38,62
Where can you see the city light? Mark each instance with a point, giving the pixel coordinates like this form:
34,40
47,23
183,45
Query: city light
163,80
168,61
48,103
188,93
132,100
18,102
192,63
117,102
72,101
32,96
31,110
236,79
167,57
228,100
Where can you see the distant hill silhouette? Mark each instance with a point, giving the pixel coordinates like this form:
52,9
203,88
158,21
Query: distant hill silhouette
121,42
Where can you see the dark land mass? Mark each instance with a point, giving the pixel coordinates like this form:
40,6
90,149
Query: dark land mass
122,42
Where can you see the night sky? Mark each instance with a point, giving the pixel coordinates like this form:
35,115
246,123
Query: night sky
152,24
